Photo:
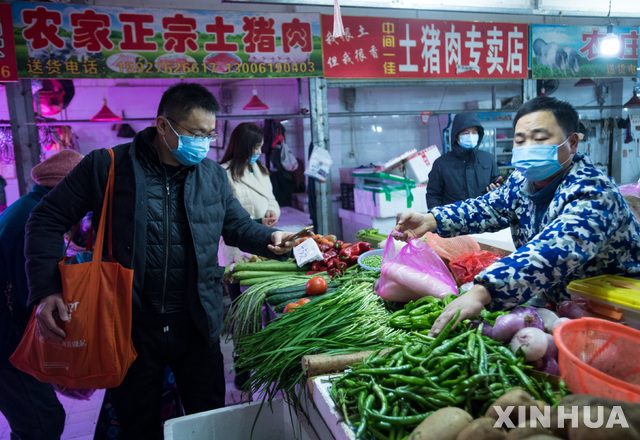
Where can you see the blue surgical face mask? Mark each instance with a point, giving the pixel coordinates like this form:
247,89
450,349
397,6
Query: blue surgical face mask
537,162
254,159
191,150
469,141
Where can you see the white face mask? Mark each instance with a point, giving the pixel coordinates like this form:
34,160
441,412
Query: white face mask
537,162
469,141
191,150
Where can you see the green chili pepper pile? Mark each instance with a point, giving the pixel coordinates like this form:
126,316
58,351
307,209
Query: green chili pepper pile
421,314
387,395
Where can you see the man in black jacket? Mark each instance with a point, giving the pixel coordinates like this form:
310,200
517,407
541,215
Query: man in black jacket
171,205
465,172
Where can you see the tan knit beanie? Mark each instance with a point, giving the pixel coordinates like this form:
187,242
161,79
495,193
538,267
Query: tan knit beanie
50,172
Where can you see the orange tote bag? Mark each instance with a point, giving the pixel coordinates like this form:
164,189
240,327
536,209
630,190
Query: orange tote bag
98,350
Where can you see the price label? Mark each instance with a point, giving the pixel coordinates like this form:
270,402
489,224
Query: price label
306,252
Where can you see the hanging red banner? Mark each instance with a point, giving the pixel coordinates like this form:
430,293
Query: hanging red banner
399,48
8,66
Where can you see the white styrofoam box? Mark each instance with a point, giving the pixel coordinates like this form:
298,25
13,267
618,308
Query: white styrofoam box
235,422
419,165
419,198
361,180
395,162
373,201
327,408
352,222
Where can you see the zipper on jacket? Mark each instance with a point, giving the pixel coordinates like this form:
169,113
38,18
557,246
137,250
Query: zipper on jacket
167,239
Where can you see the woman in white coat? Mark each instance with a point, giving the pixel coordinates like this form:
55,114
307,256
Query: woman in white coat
249,180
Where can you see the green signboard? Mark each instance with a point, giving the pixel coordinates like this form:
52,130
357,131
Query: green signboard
74,41
576,52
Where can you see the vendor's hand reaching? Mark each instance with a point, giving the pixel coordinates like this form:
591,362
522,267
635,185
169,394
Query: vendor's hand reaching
52,307
283,242
413,225
470,304
270,219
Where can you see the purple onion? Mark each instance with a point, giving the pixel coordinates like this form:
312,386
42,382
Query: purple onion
548,318
552,348
506,326
532,341
551,366
487,329
531,317
573,309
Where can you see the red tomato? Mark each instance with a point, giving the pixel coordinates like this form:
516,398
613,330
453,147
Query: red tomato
303,301
316,286
290,307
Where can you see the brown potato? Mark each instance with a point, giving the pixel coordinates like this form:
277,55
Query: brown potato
444,424
631,412
516,397
526,430
544,437
482,429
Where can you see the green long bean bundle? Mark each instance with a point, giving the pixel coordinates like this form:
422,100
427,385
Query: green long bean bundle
245,315
348,320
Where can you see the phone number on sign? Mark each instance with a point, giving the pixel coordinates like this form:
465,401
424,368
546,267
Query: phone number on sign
186,68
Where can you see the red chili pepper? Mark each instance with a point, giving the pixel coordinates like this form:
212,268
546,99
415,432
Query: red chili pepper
326,246
342,266
327,255
339,244
333,263
354,250
318,266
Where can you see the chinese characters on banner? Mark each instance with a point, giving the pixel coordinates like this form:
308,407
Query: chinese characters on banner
574,52
8,68
69,41
397,48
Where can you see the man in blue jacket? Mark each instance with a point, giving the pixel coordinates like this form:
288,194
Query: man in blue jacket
171,205
568,220
31,407
466,171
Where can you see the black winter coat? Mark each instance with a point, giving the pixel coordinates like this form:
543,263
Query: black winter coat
210,208
456,177
461,173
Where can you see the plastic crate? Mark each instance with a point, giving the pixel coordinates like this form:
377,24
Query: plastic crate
612,297
346,196
236,422
598,357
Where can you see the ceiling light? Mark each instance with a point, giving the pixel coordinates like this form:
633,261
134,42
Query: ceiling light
634,101
255,103
585,82
105,114
610,44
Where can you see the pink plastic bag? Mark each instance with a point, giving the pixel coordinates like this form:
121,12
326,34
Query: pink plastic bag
413,272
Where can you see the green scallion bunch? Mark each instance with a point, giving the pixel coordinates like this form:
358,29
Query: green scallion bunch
348,320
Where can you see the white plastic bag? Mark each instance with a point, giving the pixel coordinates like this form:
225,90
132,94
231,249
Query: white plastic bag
287,159
319,164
